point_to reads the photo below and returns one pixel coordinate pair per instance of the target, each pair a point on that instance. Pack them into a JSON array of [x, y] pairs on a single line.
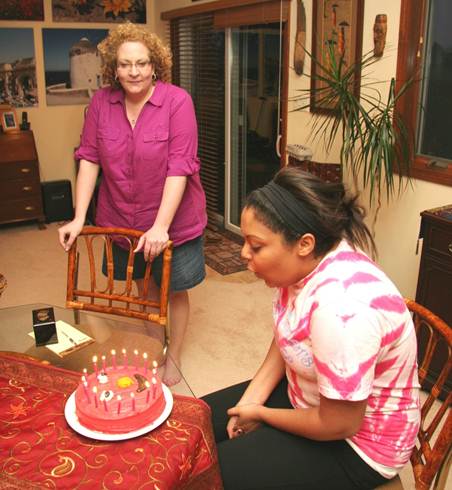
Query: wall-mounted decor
[[8, 119], [72, 64], [96, 11], [380, 30], [22, 10], [300, 39], [336, 38], [17, 68]]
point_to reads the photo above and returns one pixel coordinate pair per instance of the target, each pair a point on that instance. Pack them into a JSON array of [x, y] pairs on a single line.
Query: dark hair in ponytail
[[324, 209]]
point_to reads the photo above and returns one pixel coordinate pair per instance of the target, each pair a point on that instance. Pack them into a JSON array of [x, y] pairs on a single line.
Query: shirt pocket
[[155, 144], [109, 143]]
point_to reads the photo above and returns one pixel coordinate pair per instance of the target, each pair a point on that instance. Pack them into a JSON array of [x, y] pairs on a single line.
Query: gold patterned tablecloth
[[39, 450]]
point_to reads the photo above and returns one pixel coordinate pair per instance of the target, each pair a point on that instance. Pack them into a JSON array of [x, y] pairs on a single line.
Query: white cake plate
[[72, 420]]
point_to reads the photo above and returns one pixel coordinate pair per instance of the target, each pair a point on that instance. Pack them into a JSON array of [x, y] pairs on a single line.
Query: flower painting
[[99, 11], [21, 10]]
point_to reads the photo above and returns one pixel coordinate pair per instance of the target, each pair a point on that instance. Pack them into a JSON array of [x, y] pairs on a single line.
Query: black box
[[57, 200], [44, 326]]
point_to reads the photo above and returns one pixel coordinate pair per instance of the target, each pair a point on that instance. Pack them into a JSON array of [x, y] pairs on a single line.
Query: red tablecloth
[[39, 450]]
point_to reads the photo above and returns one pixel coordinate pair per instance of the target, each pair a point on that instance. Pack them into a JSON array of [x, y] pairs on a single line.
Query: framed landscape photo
[[337, 31], [8, 119]]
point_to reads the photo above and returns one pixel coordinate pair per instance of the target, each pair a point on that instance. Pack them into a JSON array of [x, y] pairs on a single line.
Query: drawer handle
[[26, 188], [25, 170], [29, 208], [450, 247]]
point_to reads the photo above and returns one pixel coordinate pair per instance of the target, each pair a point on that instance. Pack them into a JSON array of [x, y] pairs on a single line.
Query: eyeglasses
[[139, 65]]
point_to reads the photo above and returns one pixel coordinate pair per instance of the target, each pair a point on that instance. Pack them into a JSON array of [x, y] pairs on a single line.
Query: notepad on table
[[69, 339]]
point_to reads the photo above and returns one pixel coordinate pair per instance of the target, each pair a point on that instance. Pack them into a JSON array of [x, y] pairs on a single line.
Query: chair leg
[[443, 472]]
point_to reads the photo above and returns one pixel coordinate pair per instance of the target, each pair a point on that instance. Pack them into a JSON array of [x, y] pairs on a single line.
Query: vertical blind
[[198, 67]]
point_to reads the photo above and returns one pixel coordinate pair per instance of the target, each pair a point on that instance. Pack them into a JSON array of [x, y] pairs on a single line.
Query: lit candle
[[132, 395], [85, 389], [95, 365], [84, 380], [124, 356], [154, 387], [148, 393], [154, 367], [105, 405], [113, 356], [136, 359], [104, 364], [119, 404], [95, 396], [145, 363]]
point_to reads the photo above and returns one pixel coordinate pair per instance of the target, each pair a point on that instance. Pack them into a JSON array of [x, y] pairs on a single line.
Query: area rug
[[222, 252]]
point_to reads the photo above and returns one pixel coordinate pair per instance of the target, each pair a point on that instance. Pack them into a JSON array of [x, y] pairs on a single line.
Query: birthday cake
[[119, 399]]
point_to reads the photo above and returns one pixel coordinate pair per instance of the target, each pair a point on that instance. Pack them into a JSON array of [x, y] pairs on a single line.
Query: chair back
[[432, 454], [104, 294]]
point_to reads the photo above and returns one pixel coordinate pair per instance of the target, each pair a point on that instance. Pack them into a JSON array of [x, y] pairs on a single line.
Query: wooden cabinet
[[20, 186], [434, 287]]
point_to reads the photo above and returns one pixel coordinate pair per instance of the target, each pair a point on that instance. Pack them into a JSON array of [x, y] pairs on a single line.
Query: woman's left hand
[[248, 417], [152, 242]]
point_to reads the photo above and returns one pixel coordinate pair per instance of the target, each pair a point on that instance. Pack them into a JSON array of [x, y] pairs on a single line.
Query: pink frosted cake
[[119, 399]]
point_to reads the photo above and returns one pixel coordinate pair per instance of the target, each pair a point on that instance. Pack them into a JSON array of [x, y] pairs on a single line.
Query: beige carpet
[[230, 323]]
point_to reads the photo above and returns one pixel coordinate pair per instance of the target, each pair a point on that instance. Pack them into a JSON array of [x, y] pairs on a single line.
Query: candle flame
[[94, 389], [154, 381], [155, 364], [123, 351], [145, 356], [113, 352], [94, 358], [147, 384], [103, 358], [132, 395], [118, 398], [135, 352]]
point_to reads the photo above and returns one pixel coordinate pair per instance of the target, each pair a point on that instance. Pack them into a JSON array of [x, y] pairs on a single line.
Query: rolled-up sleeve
[[88, 149], [183, 139]]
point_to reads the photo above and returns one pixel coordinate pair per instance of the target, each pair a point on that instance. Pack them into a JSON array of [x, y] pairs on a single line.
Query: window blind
[[198, 67]]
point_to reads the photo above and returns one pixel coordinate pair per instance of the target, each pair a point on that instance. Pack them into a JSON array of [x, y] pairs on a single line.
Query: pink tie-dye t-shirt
[[345, 332]]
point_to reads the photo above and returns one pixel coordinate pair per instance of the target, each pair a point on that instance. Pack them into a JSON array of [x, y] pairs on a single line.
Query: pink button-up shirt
[[136, 162]]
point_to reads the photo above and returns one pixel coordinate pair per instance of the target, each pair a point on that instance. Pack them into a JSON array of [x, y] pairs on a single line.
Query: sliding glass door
[[253, 89]]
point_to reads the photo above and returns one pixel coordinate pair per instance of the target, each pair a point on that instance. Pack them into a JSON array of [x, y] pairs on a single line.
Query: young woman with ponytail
[[335, 403]]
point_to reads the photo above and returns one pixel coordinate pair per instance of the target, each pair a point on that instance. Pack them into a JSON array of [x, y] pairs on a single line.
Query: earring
[[116, 77], [154, 77]]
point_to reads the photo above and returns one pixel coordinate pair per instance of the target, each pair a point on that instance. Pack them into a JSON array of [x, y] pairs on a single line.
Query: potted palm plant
[[376, 145]]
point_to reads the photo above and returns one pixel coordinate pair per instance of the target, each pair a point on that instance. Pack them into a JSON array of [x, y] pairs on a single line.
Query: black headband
[[290, 210]]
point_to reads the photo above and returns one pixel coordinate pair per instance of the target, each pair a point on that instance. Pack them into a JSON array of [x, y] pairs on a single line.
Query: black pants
[[268, 458]]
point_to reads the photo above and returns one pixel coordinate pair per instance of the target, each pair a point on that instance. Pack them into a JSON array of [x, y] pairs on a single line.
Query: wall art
[[99, 11]]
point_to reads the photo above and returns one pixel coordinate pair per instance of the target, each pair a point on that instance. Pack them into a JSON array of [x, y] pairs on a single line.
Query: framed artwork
[[20, 10], [95, 11], [8, 119], [18, 84], [337, 31], [72, 64]]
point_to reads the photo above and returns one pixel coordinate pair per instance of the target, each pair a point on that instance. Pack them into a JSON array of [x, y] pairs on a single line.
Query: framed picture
[[8, 119], [337, 31]]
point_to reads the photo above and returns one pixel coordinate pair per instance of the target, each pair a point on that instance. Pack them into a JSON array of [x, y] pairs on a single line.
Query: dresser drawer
[[19, 170], [439, 241], [19, 189], [21, 209]]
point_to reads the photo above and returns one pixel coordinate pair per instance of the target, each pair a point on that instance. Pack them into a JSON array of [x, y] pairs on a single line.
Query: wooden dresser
[[20, 186], [434, 287]]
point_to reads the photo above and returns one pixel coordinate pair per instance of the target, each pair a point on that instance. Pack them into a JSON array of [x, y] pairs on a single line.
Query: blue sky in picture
[[16, 44], [58, 42]]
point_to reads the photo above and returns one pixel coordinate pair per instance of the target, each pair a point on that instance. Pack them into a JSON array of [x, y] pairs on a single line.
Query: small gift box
[[44, 326]]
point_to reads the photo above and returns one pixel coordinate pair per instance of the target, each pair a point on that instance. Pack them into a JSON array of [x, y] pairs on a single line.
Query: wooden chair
[[115, 297], [432, 455]]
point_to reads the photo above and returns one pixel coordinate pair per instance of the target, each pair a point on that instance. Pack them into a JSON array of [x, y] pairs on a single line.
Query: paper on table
[[69, 339]]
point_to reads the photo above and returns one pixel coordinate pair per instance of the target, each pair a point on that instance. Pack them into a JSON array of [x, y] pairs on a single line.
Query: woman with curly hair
[[142, 131]]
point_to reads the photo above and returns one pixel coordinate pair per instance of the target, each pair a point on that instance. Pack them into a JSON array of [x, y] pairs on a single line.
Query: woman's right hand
[[69, 232]]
